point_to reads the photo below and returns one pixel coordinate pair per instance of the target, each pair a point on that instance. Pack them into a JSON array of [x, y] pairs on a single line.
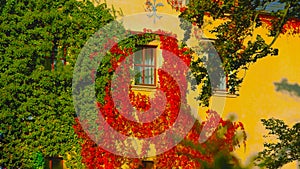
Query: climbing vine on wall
[[189, 153], [236, 39]]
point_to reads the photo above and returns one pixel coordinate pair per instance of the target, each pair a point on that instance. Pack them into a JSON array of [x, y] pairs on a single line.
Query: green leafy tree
[[36, 110], [238, 45], [236, 41], [285, 150], [287, 147]]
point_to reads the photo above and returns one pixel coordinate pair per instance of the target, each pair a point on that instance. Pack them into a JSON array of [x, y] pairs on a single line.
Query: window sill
[[144, 88], [223, 93]]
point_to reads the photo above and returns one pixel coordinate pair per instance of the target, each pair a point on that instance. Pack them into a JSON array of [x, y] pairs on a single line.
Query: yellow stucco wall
[[258, 98]]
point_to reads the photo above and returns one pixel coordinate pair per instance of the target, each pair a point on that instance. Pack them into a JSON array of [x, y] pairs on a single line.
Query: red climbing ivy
[[189, 153]]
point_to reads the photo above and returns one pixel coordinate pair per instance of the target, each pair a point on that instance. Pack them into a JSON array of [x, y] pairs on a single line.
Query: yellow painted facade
[[258, 98]]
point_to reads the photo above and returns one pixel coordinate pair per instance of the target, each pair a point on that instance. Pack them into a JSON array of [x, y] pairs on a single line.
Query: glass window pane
[[222, 85], [57, 163], [144, 68], [53, 163], [48, 63], [149, 75], [148, 164], [47, 163], [149, 56], [138, 57], [138, 74]]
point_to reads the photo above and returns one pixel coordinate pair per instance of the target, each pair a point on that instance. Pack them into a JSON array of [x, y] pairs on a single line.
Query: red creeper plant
[[125, 115]]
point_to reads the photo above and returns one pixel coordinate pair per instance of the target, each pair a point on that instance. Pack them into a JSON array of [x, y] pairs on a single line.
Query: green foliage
[[285, 150], [236, 42], [36, 106], [223, 160], [38, 161]]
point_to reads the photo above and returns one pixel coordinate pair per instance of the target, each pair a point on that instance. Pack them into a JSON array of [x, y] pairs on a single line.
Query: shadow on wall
[[285, 86]]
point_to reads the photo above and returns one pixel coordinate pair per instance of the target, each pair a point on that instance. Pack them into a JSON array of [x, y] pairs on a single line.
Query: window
[[52, 62], [145, 66], [54, 163], [148, 164], [220, 79]]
